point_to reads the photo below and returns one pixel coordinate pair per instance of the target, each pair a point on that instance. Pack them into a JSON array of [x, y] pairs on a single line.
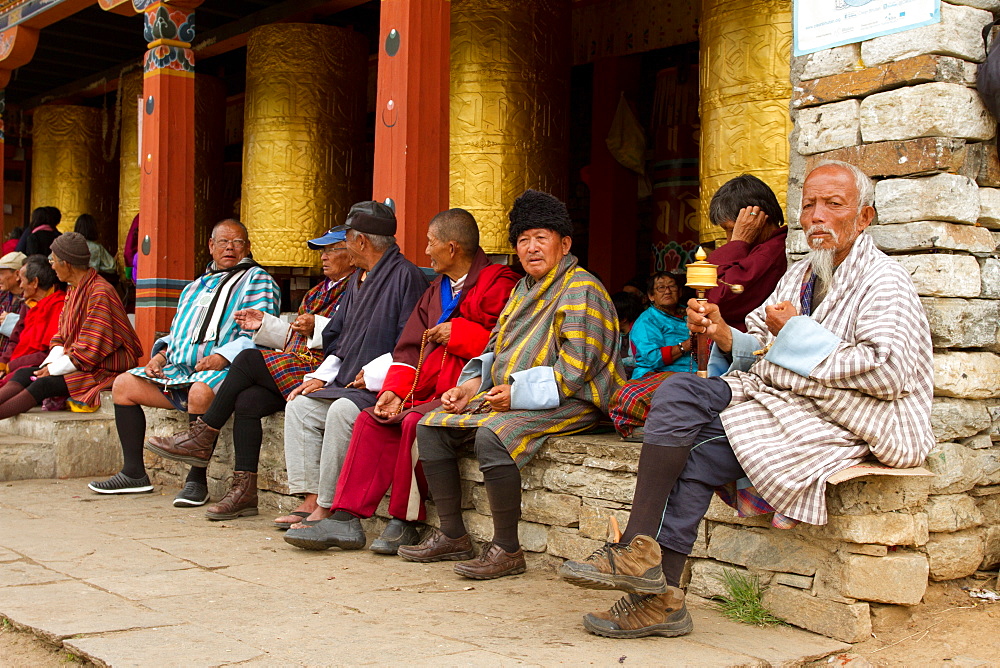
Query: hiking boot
[[641, 615], [192, 446], [492, 562], [633, 567], [397, 532], [191, 495], [438, 547], [239, 501], [120, 483]]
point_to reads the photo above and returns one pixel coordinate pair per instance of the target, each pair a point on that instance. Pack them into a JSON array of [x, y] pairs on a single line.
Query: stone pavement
[[133, 581]]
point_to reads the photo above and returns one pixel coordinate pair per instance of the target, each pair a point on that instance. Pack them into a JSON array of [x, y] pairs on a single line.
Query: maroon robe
[[757, 268]]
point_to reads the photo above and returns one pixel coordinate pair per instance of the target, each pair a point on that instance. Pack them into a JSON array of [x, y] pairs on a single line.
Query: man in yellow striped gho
[[551, 366]]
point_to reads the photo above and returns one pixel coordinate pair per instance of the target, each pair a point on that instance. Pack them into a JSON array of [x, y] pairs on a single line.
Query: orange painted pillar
[[411, 116], [166, 207], [3, 166]]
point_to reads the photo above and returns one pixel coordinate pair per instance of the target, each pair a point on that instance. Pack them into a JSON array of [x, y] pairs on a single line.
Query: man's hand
[[703, 317], [304, 324], [359, 381], [457, 398], [42, 373], [307, 387], [499, 398], [3, 316], [440, 333], [388, 404], [776, 315], [249, 319], [214, 362], [154, 369], [749, 223]]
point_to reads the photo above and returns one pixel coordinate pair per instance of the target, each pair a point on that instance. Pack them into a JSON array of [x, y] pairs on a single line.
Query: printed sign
[[822, 24]]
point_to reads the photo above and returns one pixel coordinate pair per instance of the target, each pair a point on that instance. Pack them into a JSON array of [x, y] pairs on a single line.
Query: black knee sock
[[445, 487], [503, 488], [673, 565], [197, 473], [248, 434], [659, 468], [131, 424], [21, 402]]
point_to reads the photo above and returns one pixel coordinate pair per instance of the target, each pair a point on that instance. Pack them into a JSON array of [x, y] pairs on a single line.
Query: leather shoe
[[438, 547], [492, 562], [397, 532], [192, 446], [345, 534]]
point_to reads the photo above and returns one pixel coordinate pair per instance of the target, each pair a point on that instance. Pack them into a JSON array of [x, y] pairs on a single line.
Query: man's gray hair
[[379, 242], [234, 223], [866, 189]]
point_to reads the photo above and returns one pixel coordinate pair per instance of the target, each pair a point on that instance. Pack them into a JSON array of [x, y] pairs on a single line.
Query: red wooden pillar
[[166, 207], [411, 120], [613, 188]]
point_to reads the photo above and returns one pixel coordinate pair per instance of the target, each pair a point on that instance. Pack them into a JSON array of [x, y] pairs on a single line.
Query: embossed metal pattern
[[303, 133], [68, 168], [746, 48], [509, 103], [129, 174]]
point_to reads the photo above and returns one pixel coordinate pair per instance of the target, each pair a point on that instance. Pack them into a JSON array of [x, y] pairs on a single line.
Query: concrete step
[[68, 445], [25, 458]]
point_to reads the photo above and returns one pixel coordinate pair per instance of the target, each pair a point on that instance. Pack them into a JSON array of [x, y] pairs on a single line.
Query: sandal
[[288, 525]]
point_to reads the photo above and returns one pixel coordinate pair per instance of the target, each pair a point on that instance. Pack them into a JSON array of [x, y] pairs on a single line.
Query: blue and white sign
[[822, 24]]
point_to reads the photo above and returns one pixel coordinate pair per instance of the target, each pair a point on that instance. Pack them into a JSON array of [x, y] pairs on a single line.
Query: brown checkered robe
[[871, 394]]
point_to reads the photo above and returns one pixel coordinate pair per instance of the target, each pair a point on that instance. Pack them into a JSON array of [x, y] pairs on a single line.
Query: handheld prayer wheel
[[702, 275]]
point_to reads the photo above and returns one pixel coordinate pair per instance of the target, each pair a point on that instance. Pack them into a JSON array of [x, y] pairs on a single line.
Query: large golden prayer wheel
[[746, 48], [129, 186], [510, 65], [303, 132], [68, 168]]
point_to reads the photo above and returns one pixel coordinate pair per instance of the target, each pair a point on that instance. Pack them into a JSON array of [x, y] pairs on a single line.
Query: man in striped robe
[[190, 362], [550, 367], [834, 367]]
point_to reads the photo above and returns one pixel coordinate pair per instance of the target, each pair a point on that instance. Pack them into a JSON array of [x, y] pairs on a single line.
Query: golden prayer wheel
[[209, 148], [746, 48], [303, 132], [68, 169], [129, 187], [510, 66]]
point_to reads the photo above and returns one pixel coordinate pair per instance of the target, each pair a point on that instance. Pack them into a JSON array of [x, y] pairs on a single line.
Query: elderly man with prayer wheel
[[94, 344], [550, 367], [834, 367]]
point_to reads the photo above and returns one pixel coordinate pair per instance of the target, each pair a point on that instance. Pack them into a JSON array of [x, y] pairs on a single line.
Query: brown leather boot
[[492, 562], [641, 615], [632, 567], [239, 501], [193, 446]]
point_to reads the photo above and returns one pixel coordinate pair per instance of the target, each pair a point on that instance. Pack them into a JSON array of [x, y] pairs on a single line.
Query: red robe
[[41, 323], [757, 268], [97, 336]]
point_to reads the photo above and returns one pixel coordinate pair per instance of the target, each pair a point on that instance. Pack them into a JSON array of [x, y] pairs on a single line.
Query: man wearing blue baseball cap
[[260, 381]]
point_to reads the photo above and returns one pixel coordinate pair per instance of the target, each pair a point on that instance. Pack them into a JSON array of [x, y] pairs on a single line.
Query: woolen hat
[[332, 236], [12, 260], [72, 247], [535, 210], [372, 218]]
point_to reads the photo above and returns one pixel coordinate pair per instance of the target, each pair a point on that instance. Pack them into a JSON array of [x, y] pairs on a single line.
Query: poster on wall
[[823, 24]]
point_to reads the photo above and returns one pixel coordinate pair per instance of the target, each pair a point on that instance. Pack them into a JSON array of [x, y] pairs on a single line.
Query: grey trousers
[[439, 443], [317, 434]]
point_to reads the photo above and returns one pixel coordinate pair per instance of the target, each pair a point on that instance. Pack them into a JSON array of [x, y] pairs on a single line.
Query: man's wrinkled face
[[336, 259], [440, 252], [830, 214], [228, 245], [8, 279], [540, 250], [28, 288]]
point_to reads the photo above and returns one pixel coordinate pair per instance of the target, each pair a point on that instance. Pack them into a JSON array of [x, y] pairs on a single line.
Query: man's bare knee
[[200, 397], [123, 390]]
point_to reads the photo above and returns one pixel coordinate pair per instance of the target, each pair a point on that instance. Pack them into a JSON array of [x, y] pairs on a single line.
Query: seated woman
[[44, 299], [753, 256], [94, 344], [660, 337]]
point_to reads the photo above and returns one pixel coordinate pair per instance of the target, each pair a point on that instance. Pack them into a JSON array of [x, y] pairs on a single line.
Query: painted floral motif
[[169, 58], [168, 23]]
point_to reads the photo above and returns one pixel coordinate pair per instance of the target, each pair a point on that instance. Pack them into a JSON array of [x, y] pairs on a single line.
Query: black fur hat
[[537, 210]]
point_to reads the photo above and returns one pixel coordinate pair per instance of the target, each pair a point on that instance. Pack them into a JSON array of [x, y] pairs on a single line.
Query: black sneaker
[[120, 483], [193, 494]]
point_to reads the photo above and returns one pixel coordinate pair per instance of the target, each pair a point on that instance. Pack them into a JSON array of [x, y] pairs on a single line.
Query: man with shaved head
[[835, 366]]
